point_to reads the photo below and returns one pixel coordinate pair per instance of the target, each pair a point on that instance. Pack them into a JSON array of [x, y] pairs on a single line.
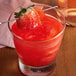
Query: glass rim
[[41, 40]]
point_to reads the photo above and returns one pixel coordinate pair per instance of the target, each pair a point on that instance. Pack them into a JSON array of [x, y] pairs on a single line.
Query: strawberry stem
[[22, 11]]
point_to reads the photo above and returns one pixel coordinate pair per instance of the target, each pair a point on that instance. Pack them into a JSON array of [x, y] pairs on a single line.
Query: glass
[[68, 7], [38, 58]]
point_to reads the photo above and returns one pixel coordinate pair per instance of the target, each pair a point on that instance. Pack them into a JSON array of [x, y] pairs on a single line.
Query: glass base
[[36, 71]]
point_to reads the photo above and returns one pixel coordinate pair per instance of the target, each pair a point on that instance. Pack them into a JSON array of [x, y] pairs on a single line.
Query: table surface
[[66, 58]]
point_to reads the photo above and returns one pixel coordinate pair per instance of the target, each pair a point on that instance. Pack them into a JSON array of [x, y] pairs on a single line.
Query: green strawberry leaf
[[22, 11]]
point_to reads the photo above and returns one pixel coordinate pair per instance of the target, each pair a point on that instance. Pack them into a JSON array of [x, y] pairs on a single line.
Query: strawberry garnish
[[29, 18], [40, 11]]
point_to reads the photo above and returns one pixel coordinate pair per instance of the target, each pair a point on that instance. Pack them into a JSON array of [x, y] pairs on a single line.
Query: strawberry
[[40, 11], [29, 18]]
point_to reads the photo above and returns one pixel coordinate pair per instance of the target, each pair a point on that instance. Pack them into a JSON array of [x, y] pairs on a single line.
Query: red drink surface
[[36, 48]]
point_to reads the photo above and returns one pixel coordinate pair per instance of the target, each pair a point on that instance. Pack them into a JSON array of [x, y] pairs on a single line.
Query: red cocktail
[[37, 42]]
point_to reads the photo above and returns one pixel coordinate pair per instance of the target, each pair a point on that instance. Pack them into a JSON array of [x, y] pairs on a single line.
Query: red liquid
[[37, 49]]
